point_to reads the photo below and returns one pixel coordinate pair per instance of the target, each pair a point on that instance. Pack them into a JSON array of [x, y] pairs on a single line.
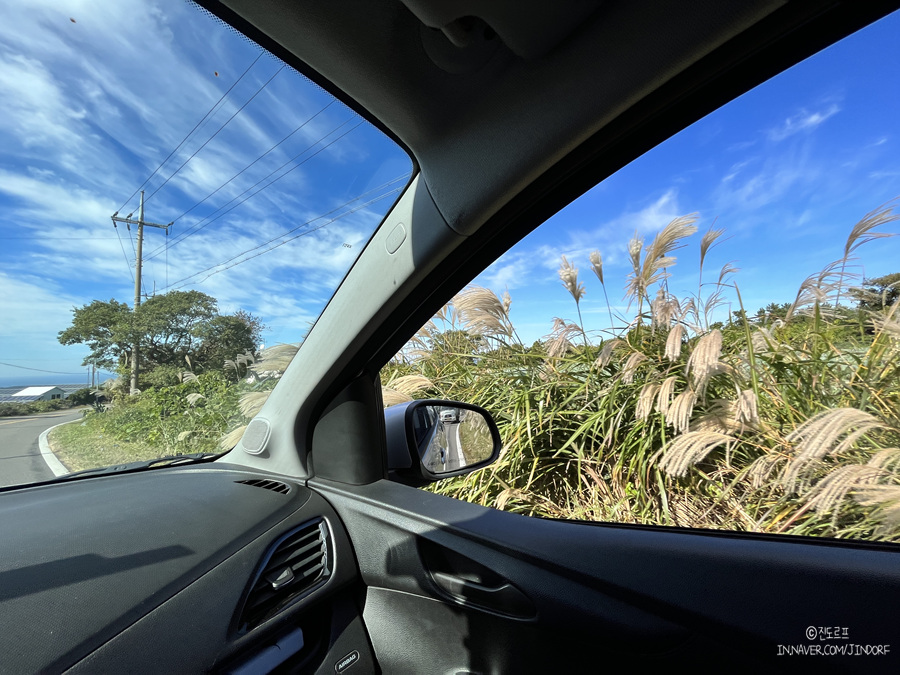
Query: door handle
[[503, 598]]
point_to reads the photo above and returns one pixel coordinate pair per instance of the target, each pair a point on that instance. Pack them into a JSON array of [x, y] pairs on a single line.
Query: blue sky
[[787, 170], [95, 96], [92, 107]]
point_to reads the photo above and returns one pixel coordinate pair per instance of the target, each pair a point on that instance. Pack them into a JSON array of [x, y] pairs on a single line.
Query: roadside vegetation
[[786, 420], [782, 421]]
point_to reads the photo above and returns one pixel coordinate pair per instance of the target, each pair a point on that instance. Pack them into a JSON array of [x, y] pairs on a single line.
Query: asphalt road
[[444, 436], [20, 456], [453, 454]]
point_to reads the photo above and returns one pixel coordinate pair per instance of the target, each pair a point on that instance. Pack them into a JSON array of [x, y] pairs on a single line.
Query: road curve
[[20, 454]]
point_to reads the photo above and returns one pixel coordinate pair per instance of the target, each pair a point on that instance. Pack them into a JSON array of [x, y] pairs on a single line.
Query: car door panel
[[603, 594]]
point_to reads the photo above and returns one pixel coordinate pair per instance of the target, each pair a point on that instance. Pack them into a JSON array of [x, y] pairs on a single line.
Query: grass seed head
[[678, 416], [688, 449], [674, 342], [569, 275], [597, 264]]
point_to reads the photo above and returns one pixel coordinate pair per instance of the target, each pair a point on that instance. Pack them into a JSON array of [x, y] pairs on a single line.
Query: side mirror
[[429, 440]]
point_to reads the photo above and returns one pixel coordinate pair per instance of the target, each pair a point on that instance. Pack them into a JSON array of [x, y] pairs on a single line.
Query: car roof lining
[[472, 133]]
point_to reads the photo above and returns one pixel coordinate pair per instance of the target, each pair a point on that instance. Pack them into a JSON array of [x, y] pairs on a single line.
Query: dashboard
[[209, 568]]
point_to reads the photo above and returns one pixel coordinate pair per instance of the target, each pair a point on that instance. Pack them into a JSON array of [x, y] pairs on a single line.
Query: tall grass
[[789, 425]]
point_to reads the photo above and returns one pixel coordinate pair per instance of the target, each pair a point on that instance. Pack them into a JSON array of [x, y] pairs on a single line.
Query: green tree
[[878, 293], [105, 327], [173, 330]]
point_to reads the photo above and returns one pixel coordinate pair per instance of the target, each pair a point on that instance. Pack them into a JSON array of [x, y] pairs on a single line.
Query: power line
[[193, 230], [125, 255], [301, 234], [209, 219], [306, 232], [39, 370], [184, 140], [253, 162], [266, 84]]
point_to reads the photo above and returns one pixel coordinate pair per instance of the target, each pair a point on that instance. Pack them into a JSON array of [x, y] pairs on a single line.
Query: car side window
[[710, 337]]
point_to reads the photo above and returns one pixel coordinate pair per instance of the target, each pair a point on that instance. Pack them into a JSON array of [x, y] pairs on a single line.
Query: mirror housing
[[431, 439]]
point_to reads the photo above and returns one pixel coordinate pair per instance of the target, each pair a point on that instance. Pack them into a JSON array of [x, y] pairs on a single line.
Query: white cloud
[[90, 108], [802, 121], [538, 264]]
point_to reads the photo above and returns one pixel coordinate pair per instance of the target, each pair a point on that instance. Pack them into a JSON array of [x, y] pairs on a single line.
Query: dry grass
[[771, 424]]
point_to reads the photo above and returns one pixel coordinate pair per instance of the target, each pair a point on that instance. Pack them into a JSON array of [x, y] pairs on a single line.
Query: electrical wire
[[196, 126], [258, 91], [239, 173], [209, 219], [125, 255], [39, 370], [185, 281], [194, 229]]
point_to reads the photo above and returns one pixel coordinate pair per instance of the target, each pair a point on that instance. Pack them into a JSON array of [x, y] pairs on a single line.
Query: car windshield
[[177, 206]]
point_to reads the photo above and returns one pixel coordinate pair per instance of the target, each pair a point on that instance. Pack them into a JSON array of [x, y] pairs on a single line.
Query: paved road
[[20, 456], [453, 454], [444, 436]]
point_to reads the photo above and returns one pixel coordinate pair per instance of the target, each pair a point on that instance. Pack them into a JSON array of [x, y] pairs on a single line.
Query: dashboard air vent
[[274, 485], [295, 565]]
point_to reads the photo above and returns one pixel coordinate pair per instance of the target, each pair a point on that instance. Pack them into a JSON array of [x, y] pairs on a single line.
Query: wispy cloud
[[538, 264], [802, 121], [91, 107]]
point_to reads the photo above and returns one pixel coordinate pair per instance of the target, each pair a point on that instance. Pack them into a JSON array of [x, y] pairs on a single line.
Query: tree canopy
[[878, 293], [178, 329]]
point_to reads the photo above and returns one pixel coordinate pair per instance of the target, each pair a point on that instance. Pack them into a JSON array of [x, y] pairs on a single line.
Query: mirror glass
[[451, 438]]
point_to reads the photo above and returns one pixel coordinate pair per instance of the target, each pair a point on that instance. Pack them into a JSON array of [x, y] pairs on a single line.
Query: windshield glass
[[177, 206]]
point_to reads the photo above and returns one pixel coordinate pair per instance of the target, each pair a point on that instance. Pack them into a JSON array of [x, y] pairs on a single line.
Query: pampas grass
[[772, 423]]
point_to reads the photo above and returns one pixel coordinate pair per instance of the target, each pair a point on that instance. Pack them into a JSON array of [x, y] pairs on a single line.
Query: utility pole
[[137, 275]]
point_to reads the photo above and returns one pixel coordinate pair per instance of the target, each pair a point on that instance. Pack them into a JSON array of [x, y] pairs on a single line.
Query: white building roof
[[35, 391]]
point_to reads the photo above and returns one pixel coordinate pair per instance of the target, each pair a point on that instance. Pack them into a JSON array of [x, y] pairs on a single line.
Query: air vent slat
[[266, 484], [302, 554], [288, 556]]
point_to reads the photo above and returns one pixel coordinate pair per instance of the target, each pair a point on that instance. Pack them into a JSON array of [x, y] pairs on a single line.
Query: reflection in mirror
[[451, 438]]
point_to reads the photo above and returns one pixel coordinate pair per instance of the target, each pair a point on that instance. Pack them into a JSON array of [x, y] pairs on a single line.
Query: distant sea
[[44, 379]]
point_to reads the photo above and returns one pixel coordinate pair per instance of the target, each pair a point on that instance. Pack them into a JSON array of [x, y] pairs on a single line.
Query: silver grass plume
[[631, 366], [645, 400], [678, 416], [568, 273], [663, 309], [481, 312], [821, 435], [657, 256], [762, 468], [704, 360], [862, 231], [252, 402], [886, 499], [606, 352], [194, 398], [275, 359], [597, 265], [708, 241], [559, 340], [674, 342], [834, 487], [889, 458], [664, 395], [688, 449], [398, 390], [229, 440]]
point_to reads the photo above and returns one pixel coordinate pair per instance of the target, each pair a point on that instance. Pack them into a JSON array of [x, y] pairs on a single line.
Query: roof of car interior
[[488, 95]]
